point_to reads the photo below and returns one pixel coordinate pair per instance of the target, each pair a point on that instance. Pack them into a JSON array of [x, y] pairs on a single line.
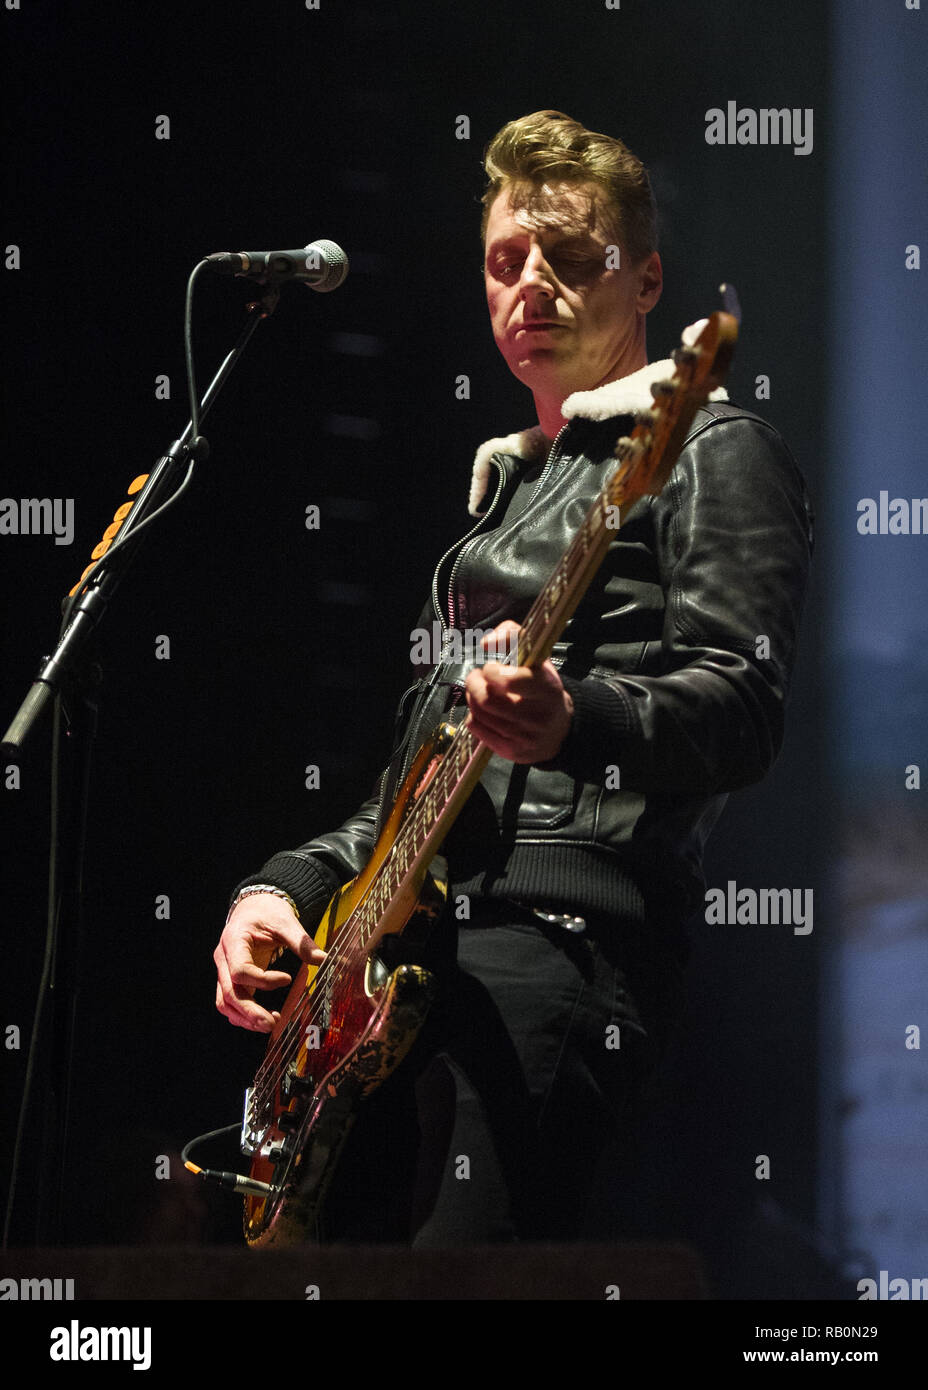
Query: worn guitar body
[[345, 1026]]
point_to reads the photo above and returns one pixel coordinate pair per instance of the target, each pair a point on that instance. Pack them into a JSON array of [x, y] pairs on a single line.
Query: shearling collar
[[622, 397]]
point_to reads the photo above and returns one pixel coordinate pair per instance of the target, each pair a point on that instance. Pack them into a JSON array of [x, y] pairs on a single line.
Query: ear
[[650, 274]]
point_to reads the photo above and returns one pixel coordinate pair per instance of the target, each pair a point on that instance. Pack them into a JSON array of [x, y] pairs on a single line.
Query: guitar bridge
[[252, 1130]]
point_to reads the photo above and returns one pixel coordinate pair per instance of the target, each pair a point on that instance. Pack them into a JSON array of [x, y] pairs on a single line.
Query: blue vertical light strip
[[874, 1120]]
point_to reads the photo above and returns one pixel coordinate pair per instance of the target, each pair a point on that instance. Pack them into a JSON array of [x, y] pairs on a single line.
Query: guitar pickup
[[294, 1085]]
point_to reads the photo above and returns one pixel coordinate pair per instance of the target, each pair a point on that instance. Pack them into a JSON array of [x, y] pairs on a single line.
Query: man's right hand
[[258, 929]]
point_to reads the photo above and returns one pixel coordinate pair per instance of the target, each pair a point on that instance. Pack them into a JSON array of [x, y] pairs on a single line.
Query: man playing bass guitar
[[577, 858]]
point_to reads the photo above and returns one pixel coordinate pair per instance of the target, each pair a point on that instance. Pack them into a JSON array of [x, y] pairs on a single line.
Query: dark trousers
[[539, 1046]]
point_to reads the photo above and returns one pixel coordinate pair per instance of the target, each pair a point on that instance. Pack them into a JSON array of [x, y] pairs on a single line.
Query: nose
[[537, 277]]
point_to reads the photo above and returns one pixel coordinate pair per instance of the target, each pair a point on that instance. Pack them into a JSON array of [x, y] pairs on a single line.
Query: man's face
[[562, 318]]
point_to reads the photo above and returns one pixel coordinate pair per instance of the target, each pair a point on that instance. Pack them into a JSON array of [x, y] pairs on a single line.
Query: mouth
[[541, 326]]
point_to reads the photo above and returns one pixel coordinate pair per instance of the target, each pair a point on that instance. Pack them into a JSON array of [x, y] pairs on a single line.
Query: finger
[[503, 638], [539, 684], [501, 632], [492, 682], [244, 944], [309, 952], [245, 974], [300, 943], [514, 685], [514, 751], [500, 712], [240, 977], [239, 1009], [285, 930], [251, 1015]]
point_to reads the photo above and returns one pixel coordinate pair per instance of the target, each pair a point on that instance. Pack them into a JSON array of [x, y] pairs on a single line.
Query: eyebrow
[[560, 236]]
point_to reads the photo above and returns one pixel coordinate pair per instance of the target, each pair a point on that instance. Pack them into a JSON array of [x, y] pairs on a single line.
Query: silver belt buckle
[[563, 920]]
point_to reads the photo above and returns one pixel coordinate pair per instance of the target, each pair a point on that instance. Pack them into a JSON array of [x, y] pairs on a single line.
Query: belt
[[491, 912]]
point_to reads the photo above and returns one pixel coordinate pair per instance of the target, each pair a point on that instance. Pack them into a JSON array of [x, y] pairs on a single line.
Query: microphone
[[321, 265]]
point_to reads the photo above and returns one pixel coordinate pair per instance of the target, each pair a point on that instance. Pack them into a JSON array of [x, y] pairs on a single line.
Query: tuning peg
[[662, 389], [685, 356], [626, 447]]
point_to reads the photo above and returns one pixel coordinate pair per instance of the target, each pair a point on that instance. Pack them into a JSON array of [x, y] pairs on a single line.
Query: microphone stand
[[70, 678]]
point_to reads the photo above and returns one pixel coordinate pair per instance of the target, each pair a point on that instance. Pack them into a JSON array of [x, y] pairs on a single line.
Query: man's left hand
[[523, 715]]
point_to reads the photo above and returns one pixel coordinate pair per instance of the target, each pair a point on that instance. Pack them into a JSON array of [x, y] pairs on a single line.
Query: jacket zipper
[[547, 468], [465, 541], [462, 542]]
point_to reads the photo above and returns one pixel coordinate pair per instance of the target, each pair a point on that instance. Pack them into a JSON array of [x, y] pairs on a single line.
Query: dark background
[[288, 645]]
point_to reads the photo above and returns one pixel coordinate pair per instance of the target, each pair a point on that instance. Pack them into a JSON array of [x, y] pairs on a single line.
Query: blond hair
[[549, 147]]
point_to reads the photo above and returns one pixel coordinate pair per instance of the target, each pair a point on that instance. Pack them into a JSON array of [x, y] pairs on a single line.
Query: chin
[[542, 377], [539, 365]]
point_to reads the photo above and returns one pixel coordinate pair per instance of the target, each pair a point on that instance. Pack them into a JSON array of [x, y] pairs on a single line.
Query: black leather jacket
[[678, 661]]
